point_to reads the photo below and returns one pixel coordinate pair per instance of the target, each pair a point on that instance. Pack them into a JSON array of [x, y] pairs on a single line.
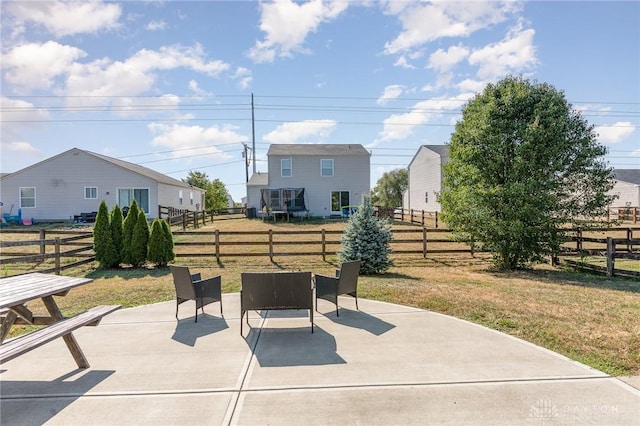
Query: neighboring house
[[425, 178], [76, 181], [627, 188], [314, 178]]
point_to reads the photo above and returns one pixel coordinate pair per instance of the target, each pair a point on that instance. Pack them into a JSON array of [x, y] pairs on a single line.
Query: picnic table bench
[[16, 291]]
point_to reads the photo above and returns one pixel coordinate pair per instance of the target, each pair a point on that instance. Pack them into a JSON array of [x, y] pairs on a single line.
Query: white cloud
[[137, 74], [156, 25], [615, 132], [64, 18], [195, 88], [425, 22], [34, 66], [189, 140], [18, 115], [400, 126], [390, 92], [20, 147], [244, 77], [403, 63], [287, 24], [514, 54], [469, 85], [293, 132], [444, 60]]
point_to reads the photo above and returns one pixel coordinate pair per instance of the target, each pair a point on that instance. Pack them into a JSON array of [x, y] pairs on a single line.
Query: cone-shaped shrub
[[140, 240], [127, 233], [116, 233], [367, 237], [102, 242], [157, 244], [168, 240]]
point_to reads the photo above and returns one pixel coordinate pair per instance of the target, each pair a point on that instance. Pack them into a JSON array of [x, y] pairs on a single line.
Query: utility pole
[[253, 132], [246, 162]]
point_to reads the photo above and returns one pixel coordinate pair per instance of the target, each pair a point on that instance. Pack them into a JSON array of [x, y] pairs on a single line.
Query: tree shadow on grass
[[566, 277], [129, 273]]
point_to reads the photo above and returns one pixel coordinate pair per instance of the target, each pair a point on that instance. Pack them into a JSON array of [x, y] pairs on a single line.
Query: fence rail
[[278, 243]]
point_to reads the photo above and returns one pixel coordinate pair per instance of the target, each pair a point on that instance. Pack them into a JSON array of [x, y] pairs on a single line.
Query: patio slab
[[385, 364]]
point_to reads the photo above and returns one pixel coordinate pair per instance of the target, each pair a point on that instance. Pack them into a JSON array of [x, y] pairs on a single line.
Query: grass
[[591, 319]]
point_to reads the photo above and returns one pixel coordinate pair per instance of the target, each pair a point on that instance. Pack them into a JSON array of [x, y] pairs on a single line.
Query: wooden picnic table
[[16, 291]]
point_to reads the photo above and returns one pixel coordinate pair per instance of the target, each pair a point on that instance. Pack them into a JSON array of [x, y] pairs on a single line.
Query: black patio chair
[[345, 282], [193, 287]]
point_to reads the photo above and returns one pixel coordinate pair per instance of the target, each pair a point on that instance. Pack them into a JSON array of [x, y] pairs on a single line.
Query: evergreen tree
[[367, 238], [102, 242], [116, 234], [158, 252], [127, 232], [168, 238], [140, 240]]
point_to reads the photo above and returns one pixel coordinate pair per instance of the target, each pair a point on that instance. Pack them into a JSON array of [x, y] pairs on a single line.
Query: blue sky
[[168, 84]]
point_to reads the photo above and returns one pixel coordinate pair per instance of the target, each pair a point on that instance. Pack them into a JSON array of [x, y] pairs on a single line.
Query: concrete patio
[[383, 365]]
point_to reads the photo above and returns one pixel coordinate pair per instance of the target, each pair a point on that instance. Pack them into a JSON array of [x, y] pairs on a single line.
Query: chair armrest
[[326, 283], [211, 287]]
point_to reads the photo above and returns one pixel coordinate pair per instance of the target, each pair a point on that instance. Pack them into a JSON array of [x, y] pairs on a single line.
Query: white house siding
[[60, 183], [351, 173], [257, 182], [628, 194], [169, 196], [425, 178]]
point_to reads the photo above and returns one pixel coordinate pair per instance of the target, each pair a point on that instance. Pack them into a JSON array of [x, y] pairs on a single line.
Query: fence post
[[579, 240], [436, 219], [217, 234], [422, 217], [411, 217], [324, 245], [184, 221], [57, 256], [195, 220], [611, 252], [271, 245], [629, 238], [42, 238], [424, 242], [159, 211]]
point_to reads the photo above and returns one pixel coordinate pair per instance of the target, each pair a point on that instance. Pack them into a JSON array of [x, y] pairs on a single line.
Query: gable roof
[[258, 179], [144, 171], [441, 150], [627, 175], [317, 149]]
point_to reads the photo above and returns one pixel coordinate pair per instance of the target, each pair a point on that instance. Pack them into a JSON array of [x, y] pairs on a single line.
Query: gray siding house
[[330, 176], [425, 178], [627, 188], [76, 181]]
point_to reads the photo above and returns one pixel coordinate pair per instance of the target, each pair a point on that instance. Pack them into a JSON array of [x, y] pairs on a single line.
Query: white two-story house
[[425, 178], [318, 179]]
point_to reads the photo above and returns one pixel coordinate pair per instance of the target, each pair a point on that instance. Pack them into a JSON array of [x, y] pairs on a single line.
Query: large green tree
[[216, 196], [523, 164], [390, 187]]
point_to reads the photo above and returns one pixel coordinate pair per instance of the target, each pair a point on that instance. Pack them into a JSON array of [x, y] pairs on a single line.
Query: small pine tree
[[140, 240], [168, 239], [127, 232], [367, 237], [157, 244], [102, 241], [116, 234]]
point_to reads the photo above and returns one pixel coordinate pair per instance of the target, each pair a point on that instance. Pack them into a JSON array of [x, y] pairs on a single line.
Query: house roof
[[152, 174], [259, 179], [317, 149], [441, 150], [627, 175]]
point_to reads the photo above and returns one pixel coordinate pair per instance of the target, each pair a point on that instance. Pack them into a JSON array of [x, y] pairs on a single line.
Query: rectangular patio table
[[16, 291]]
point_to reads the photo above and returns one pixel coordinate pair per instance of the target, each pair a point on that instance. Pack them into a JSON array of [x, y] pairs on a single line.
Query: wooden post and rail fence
[[76, 247]]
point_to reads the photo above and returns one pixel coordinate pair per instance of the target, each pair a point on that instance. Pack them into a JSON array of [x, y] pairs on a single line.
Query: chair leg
[[177, 304], [356, 296]]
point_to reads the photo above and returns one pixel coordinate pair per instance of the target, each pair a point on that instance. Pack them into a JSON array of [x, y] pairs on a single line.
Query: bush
[[102, 242], [140, 240], [367, 238], [127, 233], [116, 233], [168, 237], [159, 250]]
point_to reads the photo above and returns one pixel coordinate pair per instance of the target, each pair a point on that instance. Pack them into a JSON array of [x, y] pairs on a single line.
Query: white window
[[326, 167], [90, 192], [141, 195], [27, 197], [285, 167], [191, 198], [180, 197]]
